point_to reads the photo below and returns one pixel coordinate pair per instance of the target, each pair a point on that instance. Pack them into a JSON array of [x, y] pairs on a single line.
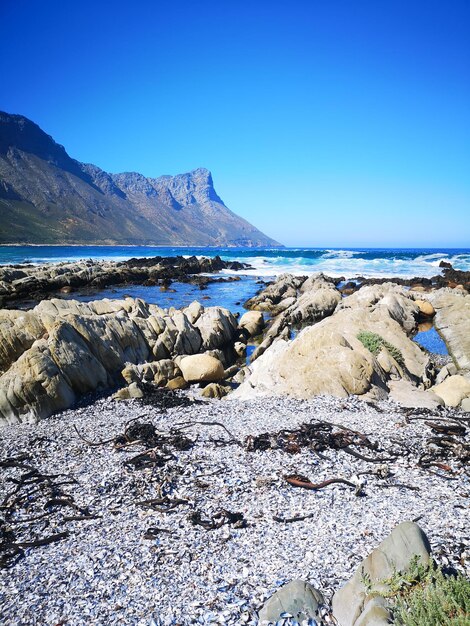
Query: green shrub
[[374, 343], [434, 600], [424, 596]]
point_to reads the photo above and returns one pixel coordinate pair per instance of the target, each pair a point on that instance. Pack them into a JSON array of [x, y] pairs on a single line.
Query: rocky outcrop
[[63, 349], [38, 281], [297, 301], [359, 349], [359, 602], [453, 323]]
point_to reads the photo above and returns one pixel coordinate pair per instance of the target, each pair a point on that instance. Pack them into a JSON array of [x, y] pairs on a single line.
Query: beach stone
[[318, 299], [395, 554], [252, 322], [297, 598], [201, 368], [328, 358], [177, 383], [407, 395], [130, 392], [217, 327], [453, 390], [215, 390], [426, 309]]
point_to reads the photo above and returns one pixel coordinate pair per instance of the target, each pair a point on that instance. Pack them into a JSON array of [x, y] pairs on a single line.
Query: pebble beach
[[133, 564]]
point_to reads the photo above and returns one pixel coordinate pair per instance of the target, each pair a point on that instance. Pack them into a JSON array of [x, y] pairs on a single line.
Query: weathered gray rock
[[201, 368], [269, 299], [447, 370], [407, 395], [297, 598], [328, 358], [61, 349], [318, 298], [351, 603], [394, 299], [453, 390], [129, 393], [453, 323], [217, 327]]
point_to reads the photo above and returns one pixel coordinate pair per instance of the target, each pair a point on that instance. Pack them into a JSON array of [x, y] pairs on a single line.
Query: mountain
[[46, 197]]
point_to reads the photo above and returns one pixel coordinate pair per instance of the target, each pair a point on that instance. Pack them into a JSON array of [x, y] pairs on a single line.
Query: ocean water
[[268, 262]]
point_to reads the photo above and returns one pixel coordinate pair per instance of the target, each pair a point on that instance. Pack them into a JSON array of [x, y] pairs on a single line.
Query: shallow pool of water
[[430, 339]]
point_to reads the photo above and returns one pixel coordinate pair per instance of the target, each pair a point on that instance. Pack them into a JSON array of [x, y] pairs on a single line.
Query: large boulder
[[453, 390], [201, 368], [318, 298], [355, 604]]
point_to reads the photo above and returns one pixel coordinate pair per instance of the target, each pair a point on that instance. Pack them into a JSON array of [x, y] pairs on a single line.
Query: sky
[[323, 122]]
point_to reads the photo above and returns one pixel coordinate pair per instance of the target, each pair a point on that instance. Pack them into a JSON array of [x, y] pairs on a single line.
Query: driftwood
[[297, 480]]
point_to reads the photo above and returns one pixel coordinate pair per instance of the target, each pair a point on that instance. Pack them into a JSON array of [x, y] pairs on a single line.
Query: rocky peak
[[18, 133]]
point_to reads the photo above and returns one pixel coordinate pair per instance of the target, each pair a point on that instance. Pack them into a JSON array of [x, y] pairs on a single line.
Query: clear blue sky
[[324, 122]]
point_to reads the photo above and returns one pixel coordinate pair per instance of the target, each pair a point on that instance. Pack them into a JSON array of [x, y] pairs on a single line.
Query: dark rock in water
[[50, 198], [446, 265], [37, 282]]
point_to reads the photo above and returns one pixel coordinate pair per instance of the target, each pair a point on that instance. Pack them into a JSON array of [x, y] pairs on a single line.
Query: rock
[[465, 405], [130, 392], [177, 383], [201, 368], [252, 322], [240, 349], [217, 327], [329, 358], [61, 349], [297, 598], [394, 299], [452, 320], [426, 309], [318, 299], [215, 390], [395, 554], [269, 298], [407, 395], [453, 390], [230, 371], [445, 371]]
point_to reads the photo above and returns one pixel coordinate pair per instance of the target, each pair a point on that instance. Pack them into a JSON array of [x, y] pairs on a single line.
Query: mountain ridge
[[47, 197]]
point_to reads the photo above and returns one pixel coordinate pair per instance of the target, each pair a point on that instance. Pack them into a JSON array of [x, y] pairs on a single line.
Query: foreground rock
[[298, 599], [60, 350], [357, 604], [35, 282]]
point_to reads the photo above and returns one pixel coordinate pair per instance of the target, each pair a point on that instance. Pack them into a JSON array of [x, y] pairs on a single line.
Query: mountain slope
[[48, 197]]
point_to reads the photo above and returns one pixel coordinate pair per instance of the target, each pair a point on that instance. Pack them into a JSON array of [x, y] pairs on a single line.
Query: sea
[[266, 264]]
